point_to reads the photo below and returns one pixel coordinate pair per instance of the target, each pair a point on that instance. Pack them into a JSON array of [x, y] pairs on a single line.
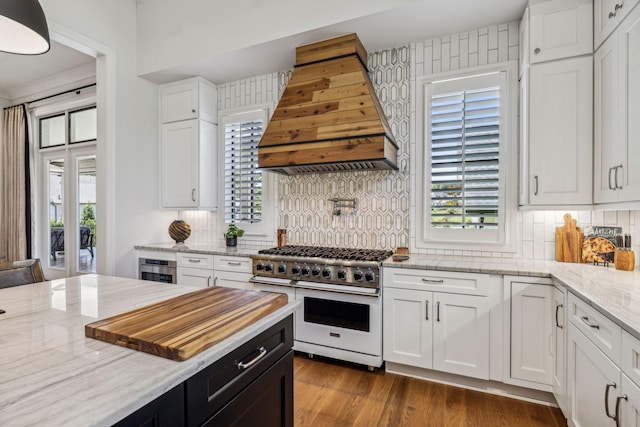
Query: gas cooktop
[[350, 254]]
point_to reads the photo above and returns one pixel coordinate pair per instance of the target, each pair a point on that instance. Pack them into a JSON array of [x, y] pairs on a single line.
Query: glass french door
[[68, 212]]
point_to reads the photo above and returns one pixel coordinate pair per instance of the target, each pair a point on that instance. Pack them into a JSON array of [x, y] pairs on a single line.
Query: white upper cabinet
[[193, 98], [560, 29], [560, 139], [188, 145], [617, 108], [188, 164], [556, 104], [607, 15]]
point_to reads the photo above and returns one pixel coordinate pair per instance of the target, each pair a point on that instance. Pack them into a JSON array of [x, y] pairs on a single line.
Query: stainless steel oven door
[[340, 320]]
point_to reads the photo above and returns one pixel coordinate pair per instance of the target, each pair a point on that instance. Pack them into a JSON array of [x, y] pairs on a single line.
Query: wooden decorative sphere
[[179, 231]]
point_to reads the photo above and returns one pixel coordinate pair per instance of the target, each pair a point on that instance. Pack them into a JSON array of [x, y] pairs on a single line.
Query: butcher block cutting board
[[569, 240], [183, 326]]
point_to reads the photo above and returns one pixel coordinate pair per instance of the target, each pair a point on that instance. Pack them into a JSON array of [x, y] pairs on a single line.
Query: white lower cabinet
[[195, 270], [593, 383], [629, 409], [559, 347], [530, 333], [232, 271], [448, 332]]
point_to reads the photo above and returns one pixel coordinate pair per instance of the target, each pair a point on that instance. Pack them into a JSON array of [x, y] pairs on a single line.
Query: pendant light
[[23, 27]]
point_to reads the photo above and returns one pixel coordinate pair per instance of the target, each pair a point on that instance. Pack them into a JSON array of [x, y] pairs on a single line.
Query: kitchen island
[[51, 374]]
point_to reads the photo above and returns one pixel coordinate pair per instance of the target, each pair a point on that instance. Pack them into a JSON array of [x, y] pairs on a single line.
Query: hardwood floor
[[333, 394]]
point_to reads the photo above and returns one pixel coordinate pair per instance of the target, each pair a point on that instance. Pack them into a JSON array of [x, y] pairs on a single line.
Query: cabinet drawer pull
[[194, 260], [438, 311], [193, 194], [585, 319], [426, 305], [606, 400], [535, 192], [250, 363], [558, 307], [234, 263], [432, 280]]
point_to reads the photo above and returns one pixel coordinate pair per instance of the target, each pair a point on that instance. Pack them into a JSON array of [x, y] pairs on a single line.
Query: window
[[464, 190], [68, 127], [242, 178]]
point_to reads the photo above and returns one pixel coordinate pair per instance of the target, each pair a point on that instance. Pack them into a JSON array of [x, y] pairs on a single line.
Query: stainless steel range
[[341, 314]]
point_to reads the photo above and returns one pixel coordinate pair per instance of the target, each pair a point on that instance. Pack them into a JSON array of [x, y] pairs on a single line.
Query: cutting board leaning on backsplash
[[569, 240]]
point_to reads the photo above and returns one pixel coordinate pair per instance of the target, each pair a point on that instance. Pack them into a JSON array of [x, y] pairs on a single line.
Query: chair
[[20, 273], [57, 240]]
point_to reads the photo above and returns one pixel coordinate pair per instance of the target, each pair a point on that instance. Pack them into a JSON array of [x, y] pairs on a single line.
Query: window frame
[[263, 230], [426, 237]]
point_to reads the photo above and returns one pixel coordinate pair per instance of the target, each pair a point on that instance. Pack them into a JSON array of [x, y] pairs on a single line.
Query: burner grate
[[330, 253]]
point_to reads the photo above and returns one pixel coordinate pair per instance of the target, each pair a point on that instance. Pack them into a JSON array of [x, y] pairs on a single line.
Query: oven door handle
[[271, 281], [340, 289]]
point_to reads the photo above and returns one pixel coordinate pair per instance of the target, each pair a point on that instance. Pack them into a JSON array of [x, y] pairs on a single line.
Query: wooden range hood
[[329, 118]]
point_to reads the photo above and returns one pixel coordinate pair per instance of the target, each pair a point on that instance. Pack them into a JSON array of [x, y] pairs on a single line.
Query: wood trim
[[327, 49]]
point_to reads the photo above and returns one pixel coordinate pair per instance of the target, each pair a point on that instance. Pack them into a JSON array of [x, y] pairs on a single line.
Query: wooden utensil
[[181, 327]]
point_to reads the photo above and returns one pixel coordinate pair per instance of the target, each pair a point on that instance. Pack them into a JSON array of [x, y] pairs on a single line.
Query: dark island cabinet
[[253, 383], [165, 411]]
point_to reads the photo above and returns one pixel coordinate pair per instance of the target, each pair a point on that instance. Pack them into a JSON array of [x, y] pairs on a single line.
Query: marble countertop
[[205, 248], [614, 293], [51, 374]]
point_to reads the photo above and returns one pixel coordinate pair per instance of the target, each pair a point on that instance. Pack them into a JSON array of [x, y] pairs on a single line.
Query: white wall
[[130, 171], [215, 28]]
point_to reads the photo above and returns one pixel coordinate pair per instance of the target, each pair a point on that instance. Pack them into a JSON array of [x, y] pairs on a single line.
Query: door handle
[[208, 281], [558, 307], [616, 177], [617, 414], [193, 194], [610, 186], [606, 400], [438, 311], [535, 192], [426, 305]]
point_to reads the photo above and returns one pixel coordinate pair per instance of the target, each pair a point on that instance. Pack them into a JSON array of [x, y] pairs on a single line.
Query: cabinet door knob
[[193, 110], [536, 50]]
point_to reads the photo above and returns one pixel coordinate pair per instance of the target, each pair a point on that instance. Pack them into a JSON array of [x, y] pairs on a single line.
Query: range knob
[[358, 275], [295, 269], [305, 270], [268, 267], [315, 272], [326, 273], [260, 266], [342, 274], [369, 276], [282, 268]]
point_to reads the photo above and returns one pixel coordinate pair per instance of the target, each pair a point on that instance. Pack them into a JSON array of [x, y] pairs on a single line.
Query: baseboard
[[486, 386]]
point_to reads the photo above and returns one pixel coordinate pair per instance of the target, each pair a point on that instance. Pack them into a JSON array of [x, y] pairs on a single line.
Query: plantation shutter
[[465, 154], [242, 178]]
